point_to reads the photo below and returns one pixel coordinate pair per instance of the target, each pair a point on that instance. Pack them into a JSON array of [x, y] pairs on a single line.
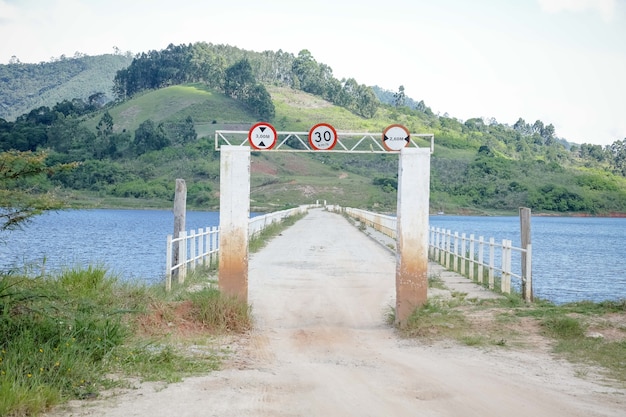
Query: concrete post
[[234, 220], [180, 211], [412, 231]]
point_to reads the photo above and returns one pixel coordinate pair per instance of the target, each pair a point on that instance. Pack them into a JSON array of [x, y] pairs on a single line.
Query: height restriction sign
[[322, 137], [396, 137], [262, 136]]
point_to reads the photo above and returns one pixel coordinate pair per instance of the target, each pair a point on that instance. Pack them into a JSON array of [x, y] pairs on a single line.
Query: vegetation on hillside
[[24, 87], [169, 104]]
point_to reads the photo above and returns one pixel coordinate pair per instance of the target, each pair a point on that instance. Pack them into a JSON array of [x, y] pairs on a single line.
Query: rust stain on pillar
[[411, 279], [233, 266], [234, 220], [412, 231]]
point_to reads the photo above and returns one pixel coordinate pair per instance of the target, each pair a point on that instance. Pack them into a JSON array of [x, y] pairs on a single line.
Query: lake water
[[573, 258], [131, 243]]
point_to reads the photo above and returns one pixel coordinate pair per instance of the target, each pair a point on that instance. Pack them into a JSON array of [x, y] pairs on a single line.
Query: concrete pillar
[[234, 220], [412, 232]]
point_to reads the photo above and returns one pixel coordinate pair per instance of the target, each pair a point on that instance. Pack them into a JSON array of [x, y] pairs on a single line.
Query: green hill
[[467, 176], [278, 179], [132, 150], [24, 87]]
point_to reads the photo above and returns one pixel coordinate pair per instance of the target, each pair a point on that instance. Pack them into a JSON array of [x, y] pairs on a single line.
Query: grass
[[585, 333], [72, 335], [435, 319], [175, 103], [577, 330]]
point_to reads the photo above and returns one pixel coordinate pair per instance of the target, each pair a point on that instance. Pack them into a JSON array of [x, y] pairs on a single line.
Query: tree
[[102, 144], [618, 156], [306, 73], [590, 151], [347, 95], [239, 80], [97, 100], [547, 133], [521, 126], [105, 125], [399, 98], [188, 131], [149, 137], [19, 197], [367, 103], [260, 101]]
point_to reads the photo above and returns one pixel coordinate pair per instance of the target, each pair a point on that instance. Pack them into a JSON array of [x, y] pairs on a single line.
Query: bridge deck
[[320, 348], [326, 250]]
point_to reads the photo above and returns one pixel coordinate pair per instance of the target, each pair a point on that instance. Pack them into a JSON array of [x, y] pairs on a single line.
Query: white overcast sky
[[559, 61]]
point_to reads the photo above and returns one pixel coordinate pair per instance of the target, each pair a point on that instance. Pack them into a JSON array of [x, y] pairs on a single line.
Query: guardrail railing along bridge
[[480, 260], [201, 246]]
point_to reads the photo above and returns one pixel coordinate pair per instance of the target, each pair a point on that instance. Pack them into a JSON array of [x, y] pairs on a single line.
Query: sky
[[559, 61]]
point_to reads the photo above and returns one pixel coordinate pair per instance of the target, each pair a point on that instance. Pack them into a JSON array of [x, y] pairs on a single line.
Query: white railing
[[257, 224], [379, 222], [201, 247], [479, 260], [194, 248]]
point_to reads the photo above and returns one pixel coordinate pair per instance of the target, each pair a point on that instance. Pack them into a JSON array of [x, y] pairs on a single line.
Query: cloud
[[606, 8]]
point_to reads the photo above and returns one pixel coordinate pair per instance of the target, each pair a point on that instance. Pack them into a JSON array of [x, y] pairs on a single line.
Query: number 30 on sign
[[322, 137]]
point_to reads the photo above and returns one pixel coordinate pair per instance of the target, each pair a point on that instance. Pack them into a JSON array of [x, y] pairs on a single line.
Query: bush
[[220, 312]]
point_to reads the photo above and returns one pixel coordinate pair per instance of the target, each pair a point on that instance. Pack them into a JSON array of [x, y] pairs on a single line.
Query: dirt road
[[321, 347]]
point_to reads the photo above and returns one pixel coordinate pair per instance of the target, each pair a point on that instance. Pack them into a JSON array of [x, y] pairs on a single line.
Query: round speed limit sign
[[322, 137]]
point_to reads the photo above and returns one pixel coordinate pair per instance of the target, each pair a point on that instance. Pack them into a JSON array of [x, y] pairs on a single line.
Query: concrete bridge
[[320, 346], [327, 248]]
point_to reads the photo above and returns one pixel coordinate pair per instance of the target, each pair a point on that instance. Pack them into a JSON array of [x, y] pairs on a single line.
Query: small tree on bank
[[21, 194]]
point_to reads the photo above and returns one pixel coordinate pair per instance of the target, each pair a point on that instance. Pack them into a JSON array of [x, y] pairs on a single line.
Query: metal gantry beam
[[347, 142]]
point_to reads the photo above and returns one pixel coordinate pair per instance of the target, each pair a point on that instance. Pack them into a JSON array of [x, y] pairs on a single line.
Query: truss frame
[[347, 142]]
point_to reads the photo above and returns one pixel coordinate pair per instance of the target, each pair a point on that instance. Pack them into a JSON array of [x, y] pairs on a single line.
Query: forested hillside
[[167, 105], [24, 87]]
